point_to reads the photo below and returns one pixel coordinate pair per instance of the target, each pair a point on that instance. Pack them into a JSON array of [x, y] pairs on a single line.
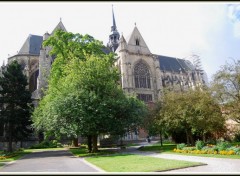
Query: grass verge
[[83, 152], [43, 149], [137, 163], [158, 148]]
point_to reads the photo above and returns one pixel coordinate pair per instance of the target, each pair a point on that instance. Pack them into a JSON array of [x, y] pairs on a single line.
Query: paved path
[[64, 161], [49, 161], [214, 165]]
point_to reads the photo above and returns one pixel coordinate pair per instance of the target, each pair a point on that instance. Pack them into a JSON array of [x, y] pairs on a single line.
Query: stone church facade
[[143, 73]]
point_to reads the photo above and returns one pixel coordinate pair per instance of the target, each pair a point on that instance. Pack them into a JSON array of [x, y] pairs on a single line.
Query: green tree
[[83, 95], [194, 111], [154, 122], [226, 86], [16, 100]]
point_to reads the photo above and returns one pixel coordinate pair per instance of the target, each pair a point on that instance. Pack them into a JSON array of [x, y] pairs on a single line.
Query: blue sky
[[210, 30]]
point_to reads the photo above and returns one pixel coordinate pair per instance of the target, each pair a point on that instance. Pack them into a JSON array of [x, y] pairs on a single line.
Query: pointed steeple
[[114, 27], [114, 36], [59, 26]]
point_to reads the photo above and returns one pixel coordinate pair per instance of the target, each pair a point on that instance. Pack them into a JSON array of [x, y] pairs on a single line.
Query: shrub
[[21, 149], [199, 144], [47, 144], [181, 146], [211, 142], [235, 149], [188, 148], [237, 137], [223, 145]]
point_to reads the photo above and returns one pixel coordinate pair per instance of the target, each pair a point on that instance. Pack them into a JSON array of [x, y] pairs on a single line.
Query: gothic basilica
[[143, 73]]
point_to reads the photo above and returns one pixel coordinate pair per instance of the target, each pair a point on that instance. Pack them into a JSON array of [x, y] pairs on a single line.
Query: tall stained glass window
[[142, 76]]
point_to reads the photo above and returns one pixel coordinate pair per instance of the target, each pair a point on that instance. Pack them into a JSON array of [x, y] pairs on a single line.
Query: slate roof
[[172, 64], [32, 45], [106, 50]]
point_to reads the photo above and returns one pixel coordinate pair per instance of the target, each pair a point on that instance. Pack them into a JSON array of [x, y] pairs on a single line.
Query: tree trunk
[[204, 137], [40, 137], [21, 144], [191, 138], [121, 141], [89, 137], [187, 135], [161, 139], [10, 149], [75, 142], [95, 147]]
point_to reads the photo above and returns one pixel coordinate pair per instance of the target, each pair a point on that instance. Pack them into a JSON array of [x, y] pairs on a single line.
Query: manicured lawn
[[158, 148], [131, 144], [137, 163], [43, 149], [83, 152]]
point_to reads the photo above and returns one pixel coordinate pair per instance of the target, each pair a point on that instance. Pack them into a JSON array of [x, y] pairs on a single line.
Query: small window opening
[[137, 42]]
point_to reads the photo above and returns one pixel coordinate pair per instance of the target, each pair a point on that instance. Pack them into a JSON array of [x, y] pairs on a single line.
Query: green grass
[[43, 149], [137, 163], [131, 144], [83, 152], [158, 148]]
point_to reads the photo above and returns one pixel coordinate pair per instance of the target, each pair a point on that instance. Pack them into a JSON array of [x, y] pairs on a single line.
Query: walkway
[[49, 161], [64, 161]]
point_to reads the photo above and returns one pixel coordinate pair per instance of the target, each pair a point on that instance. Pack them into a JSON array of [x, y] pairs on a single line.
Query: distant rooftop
[[32, 45], [174, 64]]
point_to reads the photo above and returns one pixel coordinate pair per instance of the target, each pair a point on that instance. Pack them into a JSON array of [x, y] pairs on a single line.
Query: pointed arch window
[[142, 76]]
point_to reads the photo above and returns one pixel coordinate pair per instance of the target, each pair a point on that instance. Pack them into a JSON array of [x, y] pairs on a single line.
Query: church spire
[[114, 27], [114, 35]]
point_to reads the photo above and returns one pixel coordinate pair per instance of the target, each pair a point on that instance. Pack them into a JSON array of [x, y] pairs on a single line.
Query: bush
[[235, 149], [189, 148], [237, 137], [20, 149], [47, 144], [223, 145], [199, 144], [181, 146], [211, 142]]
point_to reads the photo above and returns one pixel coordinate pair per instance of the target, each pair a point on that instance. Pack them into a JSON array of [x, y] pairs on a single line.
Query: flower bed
[[222, 148], [6, 155]]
